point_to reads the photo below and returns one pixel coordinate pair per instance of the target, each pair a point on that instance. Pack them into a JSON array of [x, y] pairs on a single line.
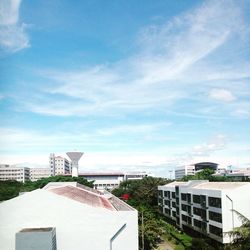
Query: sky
[[136, 85]]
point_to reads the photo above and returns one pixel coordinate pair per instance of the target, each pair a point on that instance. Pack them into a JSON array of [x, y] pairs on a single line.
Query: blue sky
[[136, 85]]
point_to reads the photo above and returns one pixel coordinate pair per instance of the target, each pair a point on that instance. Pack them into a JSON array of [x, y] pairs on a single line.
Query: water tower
[[74, 157]]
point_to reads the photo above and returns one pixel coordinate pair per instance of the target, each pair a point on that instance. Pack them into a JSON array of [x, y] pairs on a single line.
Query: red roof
[[83, 196]]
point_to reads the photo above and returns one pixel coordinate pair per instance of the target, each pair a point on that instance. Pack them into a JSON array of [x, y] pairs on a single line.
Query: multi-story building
[[39, 173], [192, 169], [59, 165], [8, 172], [206, 207]]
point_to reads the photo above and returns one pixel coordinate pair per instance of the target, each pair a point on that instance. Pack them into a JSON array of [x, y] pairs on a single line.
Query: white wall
[[78, 226]]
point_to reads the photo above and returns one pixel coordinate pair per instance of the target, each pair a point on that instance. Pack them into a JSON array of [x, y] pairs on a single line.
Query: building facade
[[8, 172], [39, 173], [192, 169], [59, 165], [110, 180], [205, 207]]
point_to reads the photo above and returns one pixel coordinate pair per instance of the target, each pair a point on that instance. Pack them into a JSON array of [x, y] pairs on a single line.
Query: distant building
[[39, 173], [17, 173], [240, 174], [59, 165], [77, 217], [110, 180], [205, 207], [192, 169]]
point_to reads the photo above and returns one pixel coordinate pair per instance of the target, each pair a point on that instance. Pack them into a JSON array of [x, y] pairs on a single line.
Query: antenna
[[74, 157]]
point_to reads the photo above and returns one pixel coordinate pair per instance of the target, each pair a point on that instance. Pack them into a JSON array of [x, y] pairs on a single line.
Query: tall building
[[8, 172], [76, 216], [59, 165], [205, 207], [192, 169]]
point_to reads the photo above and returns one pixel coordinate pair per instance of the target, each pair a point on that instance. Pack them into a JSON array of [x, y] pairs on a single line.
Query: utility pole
[[142, 230]]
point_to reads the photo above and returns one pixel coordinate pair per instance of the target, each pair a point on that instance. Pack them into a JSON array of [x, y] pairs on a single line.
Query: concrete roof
[[220, 185]]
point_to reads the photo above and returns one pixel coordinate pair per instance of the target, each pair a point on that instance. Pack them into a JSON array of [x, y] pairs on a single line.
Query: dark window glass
[[173, 195], [214, 202], [215, 230], [215, 216], [184, 197], [196, 199]]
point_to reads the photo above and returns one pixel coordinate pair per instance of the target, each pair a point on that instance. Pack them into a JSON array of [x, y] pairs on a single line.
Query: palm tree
[[241, 235]]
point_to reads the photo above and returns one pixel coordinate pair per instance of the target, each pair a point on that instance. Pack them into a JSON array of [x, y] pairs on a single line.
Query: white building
[[192, 169], [8, 172], [83, 218], [59, 165], [206, 207], [110, 180], [39, 173]]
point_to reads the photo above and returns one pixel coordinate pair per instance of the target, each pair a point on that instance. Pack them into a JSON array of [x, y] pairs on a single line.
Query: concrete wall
[[78, 226]]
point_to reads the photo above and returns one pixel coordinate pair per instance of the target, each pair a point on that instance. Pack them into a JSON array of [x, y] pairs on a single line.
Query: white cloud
[[221, 95], [171, 65], [12, 33]]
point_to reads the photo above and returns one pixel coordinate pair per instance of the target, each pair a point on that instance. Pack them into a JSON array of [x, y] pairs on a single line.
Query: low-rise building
[[39, 173], [110, 180], [206, 207], [76, 216], [192, 169], [8, 172]]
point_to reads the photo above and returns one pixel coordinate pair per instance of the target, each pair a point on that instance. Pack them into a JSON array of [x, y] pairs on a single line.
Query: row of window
[[198, 199]]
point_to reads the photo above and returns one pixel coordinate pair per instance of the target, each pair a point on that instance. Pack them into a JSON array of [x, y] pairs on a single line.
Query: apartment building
[[8, 172], [39, 173], [192, 169], [59, 165], [205, 207]]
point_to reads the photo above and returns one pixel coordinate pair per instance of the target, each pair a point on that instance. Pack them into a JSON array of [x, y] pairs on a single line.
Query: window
[[173, 204], [196, 199], [215, 216], [215, 230], [167, 211], [183, 197], [160, 192], [214, 202], [167, 194], [184, 207], [173, 195], [166, 202]]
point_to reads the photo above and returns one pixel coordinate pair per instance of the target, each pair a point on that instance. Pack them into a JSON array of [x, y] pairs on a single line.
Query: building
[[239, 174], [81, 218], [8, 172], [192, 169], [110, 180], [205, 207], [39, 173], [59, 165]]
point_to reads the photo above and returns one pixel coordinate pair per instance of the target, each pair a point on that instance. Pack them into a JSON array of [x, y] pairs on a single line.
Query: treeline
[[10, 189]]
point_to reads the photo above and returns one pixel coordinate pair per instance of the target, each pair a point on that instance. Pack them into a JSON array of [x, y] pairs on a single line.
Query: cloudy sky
[[136, 85]]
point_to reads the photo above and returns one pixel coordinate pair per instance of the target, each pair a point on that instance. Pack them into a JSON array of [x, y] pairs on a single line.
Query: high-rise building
[[59, 165], [205, 207]]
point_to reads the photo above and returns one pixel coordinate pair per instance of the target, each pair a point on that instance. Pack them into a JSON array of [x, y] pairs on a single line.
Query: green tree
[[241, 235]]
